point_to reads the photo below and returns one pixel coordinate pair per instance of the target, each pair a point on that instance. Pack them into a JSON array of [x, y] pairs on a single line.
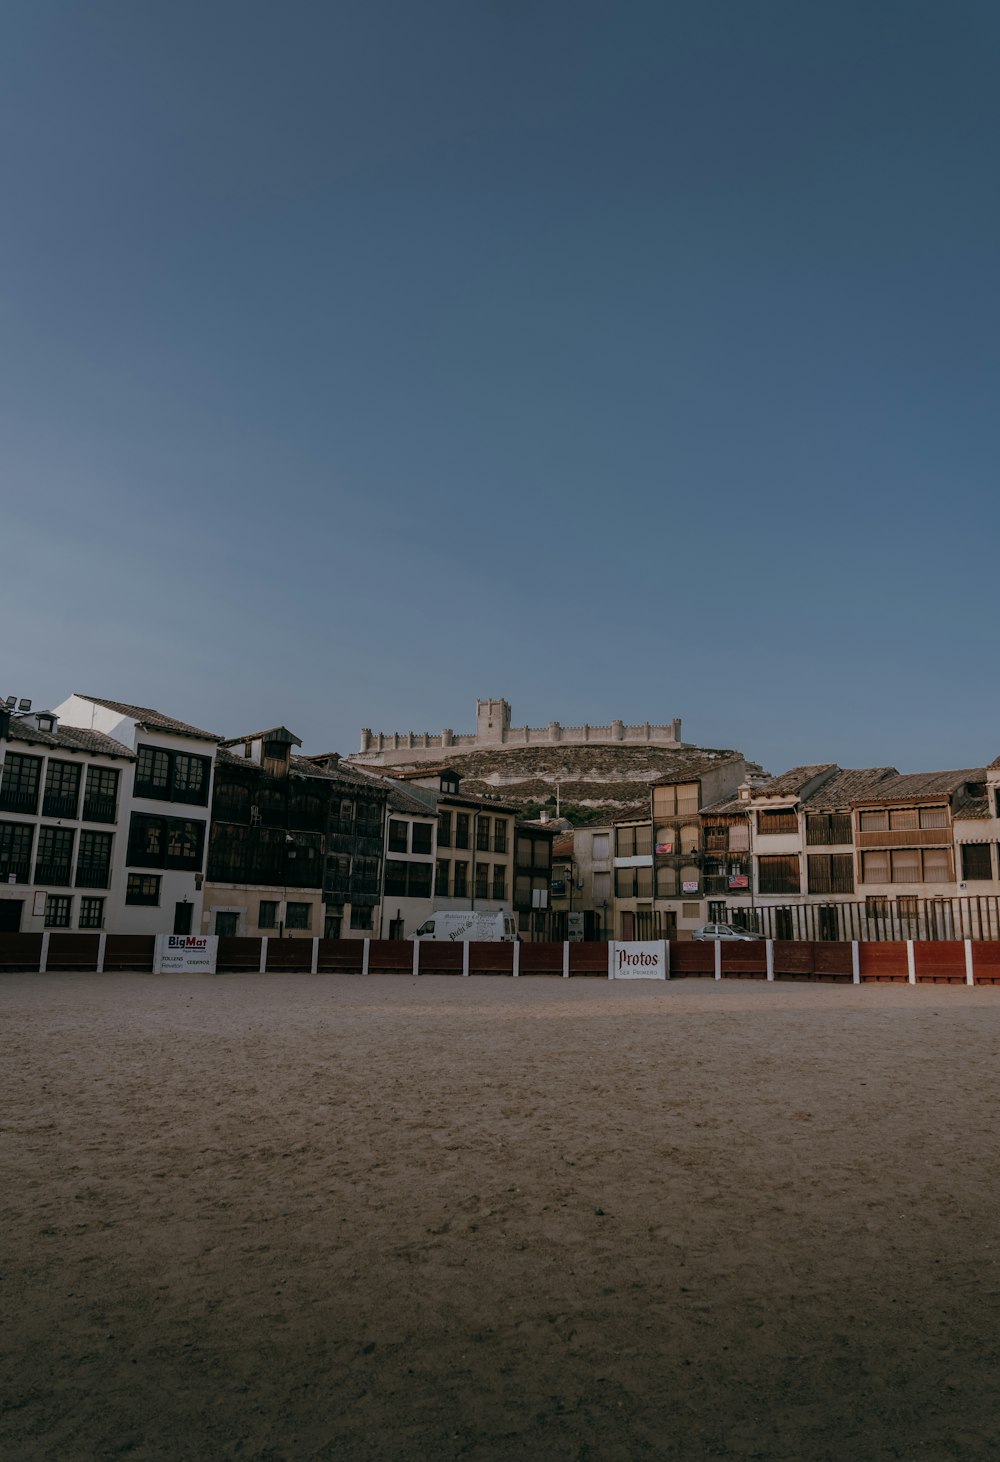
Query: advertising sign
[[664, 847], [690, 887], [739, 880], [186, 954], [638, 961]]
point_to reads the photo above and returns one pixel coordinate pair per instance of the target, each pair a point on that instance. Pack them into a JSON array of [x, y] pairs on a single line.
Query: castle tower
[[492, 722]]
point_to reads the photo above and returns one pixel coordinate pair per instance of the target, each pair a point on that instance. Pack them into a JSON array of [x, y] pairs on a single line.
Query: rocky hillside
[[611, 777]]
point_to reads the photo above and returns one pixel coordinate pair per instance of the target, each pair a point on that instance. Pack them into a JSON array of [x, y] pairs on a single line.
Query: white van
[[468, 924]]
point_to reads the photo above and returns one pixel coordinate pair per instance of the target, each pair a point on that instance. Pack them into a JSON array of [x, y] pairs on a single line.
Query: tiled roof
[[971, 809], [152, 720], [280, 733], [850, 782], [907, 785], [790, 783], [69, 738], [563, 847], [638, 813], [417, 772]]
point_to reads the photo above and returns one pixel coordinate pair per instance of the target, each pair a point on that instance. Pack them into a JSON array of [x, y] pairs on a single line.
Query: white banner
[[638, 961], [186, 954]]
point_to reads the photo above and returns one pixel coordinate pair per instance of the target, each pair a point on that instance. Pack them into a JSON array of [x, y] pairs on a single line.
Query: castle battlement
[[493, 731]]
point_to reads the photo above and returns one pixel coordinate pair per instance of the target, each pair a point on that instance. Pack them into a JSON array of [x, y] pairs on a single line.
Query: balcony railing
[[54, 874], [93, 875], [60, 804], [11, 801], [16, 868], [99, 809]]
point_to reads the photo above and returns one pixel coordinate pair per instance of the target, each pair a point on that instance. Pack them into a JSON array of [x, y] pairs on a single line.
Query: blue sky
[[636, 359]]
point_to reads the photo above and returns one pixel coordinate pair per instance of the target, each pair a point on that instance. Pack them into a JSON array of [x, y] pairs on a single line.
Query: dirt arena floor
[[330, 1217]]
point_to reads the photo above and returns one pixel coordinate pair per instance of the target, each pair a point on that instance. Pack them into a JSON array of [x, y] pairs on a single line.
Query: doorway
[[10, 915], [226, 923], [182, 917]]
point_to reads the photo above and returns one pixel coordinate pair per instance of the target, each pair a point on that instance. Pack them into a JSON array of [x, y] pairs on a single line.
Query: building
[[494, 730], [581, 883], [62, 794], [355, 851], [533, 842], [266, 858], [158, 861]]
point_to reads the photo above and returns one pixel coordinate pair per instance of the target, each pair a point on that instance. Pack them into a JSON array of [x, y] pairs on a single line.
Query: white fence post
[[611, 959], [43, 957], [101, 945], [970, 976], [314, 966], [465, 957], [566, 959], [718, 959], [769, 957], [517, 958], [364, 957], [263, 954], [416, 956], [855, 962], [911, 964]]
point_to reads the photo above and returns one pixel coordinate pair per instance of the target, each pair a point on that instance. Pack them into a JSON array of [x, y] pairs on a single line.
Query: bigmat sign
[[186, 954], [644, 961]]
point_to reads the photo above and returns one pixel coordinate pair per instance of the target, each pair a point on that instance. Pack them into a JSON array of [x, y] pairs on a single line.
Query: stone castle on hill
[[494, 732]]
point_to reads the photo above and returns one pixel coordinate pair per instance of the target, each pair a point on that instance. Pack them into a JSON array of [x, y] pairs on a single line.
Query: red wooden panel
[[390, 957], [691, 957], [883, 961], [238, 954], [833, 957], [793, 958], [546, 959], [20, 951], [986, 962], [72, 951], [441, 957], [289, 955], [939, 963], [495, 959], [744, 959], [588, 959], [341, 956], [129, 952]]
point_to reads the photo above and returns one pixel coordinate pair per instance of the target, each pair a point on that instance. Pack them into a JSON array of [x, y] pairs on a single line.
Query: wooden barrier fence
[[915, 962]]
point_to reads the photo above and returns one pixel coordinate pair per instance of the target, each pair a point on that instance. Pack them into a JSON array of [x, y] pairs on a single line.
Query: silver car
[[724, 931]]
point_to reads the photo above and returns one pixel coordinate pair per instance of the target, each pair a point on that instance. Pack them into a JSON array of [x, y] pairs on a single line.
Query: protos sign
[[186, 954], [644, 961]]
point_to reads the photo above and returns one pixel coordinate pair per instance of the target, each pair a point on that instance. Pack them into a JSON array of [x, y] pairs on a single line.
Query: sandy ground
[[288, 1217]]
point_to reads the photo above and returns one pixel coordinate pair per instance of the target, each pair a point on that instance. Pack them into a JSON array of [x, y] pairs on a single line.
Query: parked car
[[724, 931]]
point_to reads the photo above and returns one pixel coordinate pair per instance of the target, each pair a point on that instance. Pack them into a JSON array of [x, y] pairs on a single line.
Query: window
[[874, 822], [448, 783], [444, 829], [461, 829], [937, 865], [977, 861], [267, 914], [58, 908], [91, 913], [666, 881], [361, 918], [408, 880], [93, 864], [482, 881], [100, 799], [602, 885], [276, 751], [142, 888], [934, 817], [172, 776], [499, 882], [165, 842], [599, 847], [783, 820], [482, 834], [461, 880], [907, 906], [54, 855], [500, 836], [907, 865], [828, 827], [831, 873], [19, 786], [441, 876], [633, 842], [62, 789], [397, 836], [16, 840], [634, 883], [298, 916], [779, 875], [876, 906], [675, 801], [902, 819], [422, 835]]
